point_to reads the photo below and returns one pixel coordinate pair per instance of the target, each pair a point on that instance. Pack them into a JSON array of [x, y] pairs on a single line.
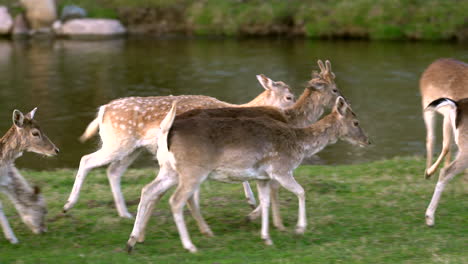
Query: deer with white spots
[[457, 114], [24, 135], [128, 125], [321, 93], [444, 78], [194, 149]]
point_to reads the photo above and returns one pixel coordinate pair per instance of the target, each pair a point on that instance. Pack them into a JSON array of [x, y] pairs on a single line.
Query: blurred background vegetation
[[366, 19]]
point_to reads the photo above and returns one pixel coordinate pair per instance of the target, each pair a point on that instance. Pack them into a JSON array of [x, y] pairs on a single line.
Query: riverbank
[[366, 213], [383, 19]]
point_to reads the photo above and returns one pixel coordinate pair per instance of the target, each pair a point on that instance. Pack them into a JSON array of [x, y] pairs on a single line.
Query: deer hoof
[[268, 241], [429, 221], [300, 230], [208, 233], [192, 249]]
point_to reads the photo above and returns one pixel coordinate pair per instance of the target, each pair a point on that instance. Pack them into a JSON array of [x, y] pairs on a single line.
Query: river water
[[68, 80]]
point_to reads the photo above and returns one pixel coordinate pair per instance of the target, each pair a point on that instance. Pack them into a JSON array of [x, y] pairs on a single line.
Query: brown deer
[[443, 78], [457, 114], [128, 125], [321, 92], [237, 149], [24, 135]]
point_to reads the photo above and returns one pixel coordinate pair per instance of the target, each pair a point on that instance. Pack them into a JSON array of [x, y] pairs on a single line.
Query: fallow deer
[[446, 78], [457, 114], [24, 135], [321, 92], [127, 125], [237, 149]]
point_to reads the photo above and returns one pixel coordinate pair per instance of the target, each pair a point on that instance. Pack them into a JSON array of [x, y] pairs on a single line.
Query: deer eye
[[335, 90], [356, 123], [35, 133], [289, 98]]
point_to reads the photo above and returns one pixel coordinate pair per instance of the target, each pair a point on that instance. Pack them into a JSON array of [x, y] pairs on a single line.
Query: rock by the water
[[72, 12], [6, 21], [89, 27], [20, 25], [40, 14]]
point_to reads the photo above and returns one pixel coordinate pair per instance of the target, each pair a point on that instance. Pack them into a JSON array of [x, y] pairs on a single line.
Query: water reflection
[[69, 80]]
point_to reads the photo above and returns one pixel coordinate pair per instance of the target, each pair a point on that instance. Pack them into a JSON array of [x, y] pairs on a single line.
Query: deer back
[[444, 78]]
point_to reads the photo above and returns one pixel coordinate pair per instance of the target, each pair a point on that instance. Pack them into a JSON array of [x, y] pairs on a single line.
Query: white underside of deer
[[129, 124]]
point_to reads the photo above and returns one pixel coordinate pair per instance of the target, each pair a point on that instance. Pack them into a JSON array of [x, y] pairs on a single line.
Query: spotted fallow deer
[[24, 135], [321, 92], [237, 149], [457, 114], [446, 78], [128, 125]]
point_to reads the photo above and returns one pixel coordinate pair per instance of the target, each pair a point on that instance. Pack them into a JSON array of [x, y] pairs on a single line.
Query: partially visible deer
[[237, 149], [24, 135], [129, 124], [443, 78], [457, 114]]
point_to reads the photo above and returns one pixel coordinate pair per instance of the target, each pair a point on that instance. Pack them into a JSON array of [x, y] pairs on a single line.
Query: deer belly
[[236, 175]]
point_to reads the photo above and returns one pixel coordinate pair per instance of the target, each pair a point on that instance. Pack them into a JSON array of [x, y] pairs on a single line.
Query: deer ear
[[341, 106], [266, 82], [329, 69], [30, 115], [321, 66], [18, 118]]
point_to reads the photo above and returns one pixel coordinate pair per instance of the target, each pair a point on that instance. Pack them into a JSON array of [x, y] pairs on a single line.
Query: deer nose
[[56, 151]]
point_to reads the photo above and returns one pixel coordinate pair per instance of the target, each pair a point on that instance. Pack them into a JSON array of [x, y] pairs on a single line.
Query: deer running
[[236, 149], [457, 114], [446, 78], [129, 124], [24, 135]]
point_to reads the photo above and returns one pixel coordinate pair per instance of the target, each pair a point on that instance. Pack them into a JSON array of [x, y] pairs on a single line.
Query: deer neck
[[258, 101], [10, 147], [307, 110], [320, 134]]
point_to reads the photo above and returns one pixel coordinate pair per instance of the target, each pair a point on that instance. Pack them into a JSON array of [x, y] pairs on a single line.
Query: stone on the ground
[[20, 25], [72, 12], [6, 21], [89, 27]]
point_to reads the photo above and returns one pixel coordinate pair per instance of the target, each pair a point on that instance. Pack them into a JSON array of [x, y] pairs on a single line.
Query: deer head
[[349, 125], [279, 93], [324, 83], [29, 135]]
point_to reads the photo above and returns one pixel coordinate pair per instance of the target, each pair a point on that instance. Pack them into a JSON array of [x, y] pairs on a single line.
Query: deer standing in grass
[[24, 135], [128, 125], [457, 114], [321, 92], [237, 149], [446, 78]]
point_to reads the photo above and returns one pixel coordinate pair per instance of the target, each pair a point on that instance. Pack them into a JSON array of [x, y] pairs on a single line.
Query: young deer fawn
[[443, 78], [24, 135], [129, 124], [236, 149], [456, 112]]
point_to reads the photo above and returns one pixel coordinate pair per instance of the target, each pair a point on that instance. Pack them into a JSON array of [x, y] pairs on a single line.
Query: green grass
[[367, 213]]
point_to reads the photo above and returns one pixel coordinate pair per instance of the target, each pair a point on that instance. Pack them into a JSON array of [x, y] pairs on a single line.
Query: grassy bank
[[368, 213], [373, 19], [381, 19]]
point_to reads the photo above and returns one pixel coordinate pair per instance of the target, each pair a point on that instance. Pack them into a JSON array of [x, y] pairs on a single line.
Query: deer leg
[[194, 207], [150, 194], [277, 221], [249, 194], [114, 172], [7, 231], [185, 189], [429, 121], [445, 175], [290, 184], [88, 162], [446, 144], [264, 195]]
